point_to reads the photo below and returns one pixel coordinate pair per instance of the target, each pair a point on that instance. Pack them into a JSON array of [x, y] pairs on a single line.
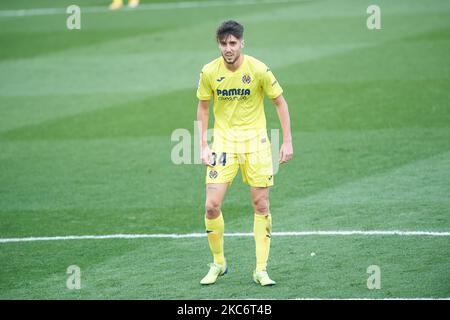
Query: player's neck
[[234, 66]]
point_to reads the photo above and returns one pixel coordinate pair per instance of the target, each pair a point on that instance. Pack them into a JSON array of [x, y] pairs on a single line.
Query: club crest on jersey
[[246, 79], [213, 174]]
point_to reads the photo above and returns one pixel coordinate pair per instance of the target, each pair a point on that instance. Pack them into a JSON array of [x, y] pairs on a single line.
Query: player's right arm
[[204, 94], [202, 122]]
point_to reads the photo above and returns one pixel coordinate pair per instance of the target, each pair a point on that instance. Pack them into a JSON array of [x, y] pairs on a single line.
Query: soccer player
[[237, 83]]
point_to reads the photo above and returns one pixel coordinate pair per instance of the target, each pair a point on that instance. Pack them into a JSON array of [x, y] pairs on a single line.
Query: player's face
[[230, 47]]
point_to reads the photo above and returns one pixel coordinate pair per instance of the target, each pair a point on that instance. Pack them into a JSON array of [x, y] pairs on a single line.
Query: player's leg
[[258, 173], [215, 227], [262, 229], [218, 177]]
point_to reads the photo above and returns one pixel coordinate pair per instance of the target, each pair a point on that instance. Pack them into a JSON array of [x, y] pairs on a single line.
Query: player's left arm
[[286, 150]]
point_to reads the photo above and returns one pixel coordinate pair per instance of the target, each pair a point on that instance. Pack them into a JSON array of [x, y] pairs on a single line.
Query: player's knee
[[261, 205], [212, 208]]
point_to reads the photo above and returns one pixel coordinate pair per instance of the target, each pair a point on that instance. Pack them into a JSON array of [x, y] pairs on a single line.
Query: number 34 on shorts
[[256, 168]]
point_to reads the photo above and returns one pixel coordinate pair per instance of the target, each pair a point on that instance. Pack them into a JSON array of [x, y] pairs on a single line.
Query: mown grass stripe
[[149, 6]]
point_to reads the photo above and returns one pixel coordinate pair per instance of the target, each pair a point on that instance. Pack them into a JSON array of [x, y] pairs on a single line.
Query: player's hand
[[286, 152], [206, 155]]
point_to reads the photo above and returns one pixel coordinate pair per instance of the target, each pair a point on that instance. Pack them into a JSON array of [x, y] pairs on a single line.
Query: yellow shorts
[[256, 168]]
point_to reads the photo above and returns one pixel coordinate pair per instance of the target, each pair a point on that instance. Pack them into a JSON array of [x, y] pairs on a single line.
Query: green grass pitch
[[86, 118]]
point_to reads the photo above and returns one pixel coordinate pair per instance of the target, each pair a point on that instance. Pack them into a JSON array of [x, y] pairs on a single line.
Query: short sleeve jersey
[[238, 97]]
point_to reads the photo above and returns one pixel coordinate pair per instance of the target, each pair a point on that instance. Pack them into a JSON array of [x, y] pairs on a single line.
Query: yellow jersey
[[239, 119]]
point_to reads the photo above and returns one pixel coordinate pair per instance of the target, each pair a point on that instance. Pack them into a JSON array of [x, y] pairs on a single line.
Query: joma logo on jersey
[[233, 92]]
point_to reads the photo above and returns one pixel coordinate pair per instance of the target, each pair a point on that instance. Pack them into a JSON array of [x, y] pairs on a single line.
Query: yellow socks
[[262, 230], [215, 229]]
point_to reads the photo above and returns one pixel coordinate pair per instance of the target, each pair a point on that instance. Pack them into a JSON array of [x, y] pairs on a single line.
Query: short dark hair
[[230, 27]]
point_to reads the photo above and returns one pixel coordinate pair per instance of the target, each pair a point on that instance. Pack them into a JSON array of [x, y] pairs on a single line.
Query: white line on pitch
[[424, 298], [199, 235], [315, 298], [149, 6]]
